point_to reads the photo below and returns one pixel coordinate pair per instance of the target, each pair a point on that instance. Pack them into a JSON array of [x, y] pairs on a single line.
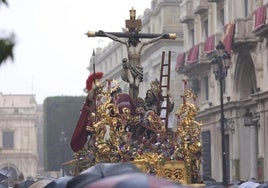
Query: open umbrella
[[249, 184], [233, 186], [3, 185], [59, 183], [40, 184], [100, 171], [134, 180], [25, 184], [4, 173], [263, 185], [2, 177]]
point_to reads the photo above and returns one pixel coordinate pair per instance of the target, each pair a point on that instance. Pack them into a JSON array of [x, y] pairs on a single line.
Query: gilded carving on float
[[126, 128], [141, 138]]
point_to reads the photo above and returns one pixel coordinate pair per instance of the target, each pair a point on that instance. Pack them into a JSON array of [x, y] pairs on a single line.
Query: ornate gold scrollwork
[[174, 156]]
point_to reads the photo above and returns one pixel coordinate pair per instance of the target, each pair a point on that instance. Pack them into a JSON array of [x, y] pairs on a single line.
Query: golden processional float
[[143, 140]]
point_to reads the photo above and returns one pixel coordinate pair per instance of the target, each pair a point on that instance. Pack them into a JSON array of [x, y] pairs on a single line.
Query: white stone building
[[242, 26], [19, 119]]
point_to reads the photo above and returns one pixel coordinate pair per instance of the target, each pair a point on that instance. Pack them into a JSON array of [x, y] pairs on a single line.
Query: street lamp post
[[221, 64]]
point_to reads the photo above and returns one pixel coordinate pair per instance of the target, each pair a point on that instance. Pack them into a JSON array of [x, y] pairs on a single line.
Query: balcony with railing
[[243, 33], [198, 57], [260, 21], [210, 43], [180, 63], [192, 61], [187, 14], [200, 6]]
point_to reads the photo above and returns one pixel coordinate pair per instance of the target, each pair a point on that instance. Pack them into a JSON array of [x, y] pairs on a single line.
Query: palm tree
[[6, 44]]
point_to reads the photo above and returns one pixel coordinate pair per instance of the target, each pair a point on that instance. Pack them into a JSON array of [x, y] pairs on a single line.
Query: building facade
[[19, 119], [242, 26]]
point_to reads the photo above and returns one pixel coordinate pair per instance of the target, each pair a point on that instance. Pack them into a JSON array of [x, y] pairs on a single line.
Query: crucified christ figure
[[132, 71]]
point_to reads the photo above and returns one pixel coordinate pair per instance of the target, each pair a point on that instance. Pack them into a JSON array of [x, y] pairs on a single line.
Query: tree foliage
[[6, 49], [60, 114], [6, 44], [3, 2]]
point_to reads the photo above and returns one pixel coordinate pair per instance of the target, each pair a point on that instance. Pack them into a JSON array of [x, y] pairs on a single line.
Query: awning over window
[[260, 17], [180, 61], [209, 44], [228, 36], [193, 54]]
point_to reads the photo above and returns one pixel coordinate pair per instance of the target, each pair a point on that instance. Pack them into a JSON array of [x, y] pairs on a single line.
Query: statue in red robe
[[81, 133]]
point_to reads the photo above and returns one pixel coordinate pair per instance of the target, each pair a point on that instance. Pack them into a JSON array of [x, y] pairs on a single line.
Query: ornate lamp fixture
[[248, 118], [221, 62]]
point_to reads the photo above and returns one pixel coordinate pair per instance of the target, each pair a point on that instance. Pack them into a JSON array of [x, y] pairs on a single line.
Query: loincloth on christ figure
[[136, 71]]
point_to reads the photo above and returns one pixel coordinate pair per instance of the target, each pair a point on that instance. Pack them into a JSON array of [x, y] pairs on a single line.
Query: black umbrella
[[2, 177], [4, 173], [134, 180], [59, 183], [100, 171], [212, 184], [25, 184], [3, 185], [263, 185], [40, 183]]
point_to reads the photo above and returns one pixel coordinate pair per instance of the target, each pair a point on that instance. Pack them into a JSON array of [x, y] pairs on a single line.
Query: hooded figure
[[80, 134]]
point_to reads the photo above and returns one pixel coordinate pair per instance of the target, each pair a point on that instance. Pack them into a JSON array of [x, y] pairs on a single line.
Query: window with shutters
[[8, 140], [206, 144]]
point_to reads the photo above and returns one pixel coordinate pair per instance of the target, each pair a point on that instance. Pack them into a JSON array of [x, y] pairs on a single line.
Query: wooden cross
[[132, 70], [134, 26]]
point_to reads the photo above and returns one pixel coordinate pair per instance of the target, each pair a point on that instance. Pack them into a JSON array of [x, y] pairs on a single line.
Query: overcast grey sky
[[52, 51]]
